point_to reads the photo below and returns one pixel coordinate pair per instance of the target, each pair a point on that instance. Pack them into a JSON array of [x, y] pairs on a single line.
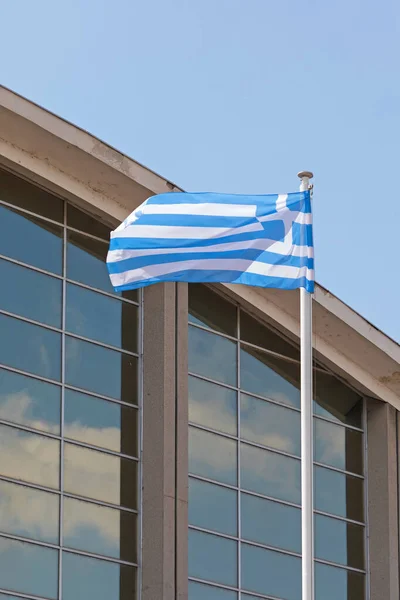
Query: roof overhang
[[72, 163]]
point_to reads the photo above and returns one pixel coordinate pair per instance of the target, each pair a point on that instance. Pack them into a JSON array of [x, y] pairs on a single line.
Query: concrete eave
[[72, 163]]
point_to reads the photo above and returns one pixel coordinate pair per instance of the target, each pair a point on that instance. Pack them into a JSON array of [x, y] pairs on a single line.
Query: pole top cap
[[303, 174]]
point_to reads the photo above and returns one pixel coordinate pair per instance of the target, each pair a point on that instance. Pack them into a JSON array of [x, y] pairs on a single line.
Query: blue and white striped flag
[[263, 241]]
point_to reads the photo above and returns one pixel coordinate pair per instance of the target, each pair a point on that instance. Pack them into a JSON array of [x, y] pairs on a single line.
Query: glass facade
[[244, 464], [69, 406]]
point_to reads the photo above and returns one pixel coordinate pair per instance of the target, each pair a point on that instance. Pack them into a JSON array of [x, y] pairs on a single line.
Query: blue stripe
[[198, 276], [252, 254], [302, 235], [131, 243], [183, 220]]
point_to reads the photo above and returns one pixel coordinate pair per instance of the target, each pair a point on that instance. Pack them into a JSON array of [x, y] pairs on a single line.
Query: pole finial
[[303, 174]]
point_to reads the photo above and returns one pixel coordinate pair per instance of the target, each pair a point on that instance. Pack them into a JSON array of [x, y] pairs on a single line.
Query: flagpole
[[307, 491]]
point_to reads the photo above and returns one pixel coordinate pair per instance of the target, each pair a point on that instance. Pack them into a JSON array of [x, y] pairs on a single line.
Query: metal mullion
[[21, 538], [31, 375], [366, 512], [31, 267], [63, 366], [28, 429], [101, 292], [139, 541], [69, 334], [110, 559], [19, 595], [329, 563], [86, 446], [74, 388], [337, 470], [239, 502], [30, 213], [339, 518], [86, 234], [30, 321], [339, 424]]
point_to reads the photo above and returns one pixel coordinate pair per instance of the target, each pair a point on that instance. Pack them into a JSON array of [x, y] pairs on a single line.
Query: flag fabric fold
[[263, 241]]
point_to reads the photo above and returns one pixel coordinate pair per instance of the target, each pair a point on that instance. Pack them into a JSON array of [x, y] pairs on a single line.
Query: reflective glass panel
[[256, 333], [29, 457], [100, 476], [212, 456], [270, 377], [28, 569], [100, 370], [200, 591], [30, 348], [212, 356], [212, 406], [339, 542], [86, 261], [332, 583], [85, 578], [209, 309], [42, 303], [99, 529], [271, 573], [336, 401], [339, 494], [28, 512], [270, 474], [102, 318], [19, 192], [212, 507], [80, 220], [100, 423], [212, 558], [38, 242], [338, 446], [28, 401], [270, 523], [269, 424]]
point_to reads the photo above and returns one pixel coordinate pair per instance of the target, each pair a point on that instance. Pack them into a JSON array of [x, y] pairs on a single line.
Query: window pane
[[332, 583], [29, 457], [38, 243], [211, 310], [86, 262], [101, 423], [212, 507], [98, 529], [270, 377], [212, 356], [212, 406], [85, 578], [212, 456], [270, 523], [28, 569], [28, 512], [100, 370], [41, 303], [270, 425], [271, 573], [30, 402], [338, 447], [336, 401], [30, 348], [200, 591], [100, 476], [80, 220], [212, 558], [339, 542], [101, 318], [256, 333], [339, 494], [19, 192], [270, 474]]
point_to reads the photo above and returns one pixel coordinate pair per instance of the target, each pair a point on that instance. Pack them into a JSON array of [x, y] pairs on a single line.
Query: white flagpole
[[307, 492]]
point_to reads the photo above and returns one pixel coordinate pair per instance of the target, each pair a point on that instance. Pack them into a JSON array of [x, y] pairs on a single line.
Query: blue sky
[[237, 96]]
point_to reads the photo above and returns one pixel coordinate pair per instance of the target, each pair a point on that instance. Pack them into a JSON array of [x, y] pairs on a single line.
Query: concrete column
[[164, 520], [382, 501]]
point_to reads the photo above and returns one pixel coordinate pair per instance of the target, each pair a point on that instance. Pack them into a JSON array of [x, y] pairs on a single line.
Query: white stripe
[[304, 218], [281, 201], [282, 248], [211, 264], [198, 233], [206, 209]]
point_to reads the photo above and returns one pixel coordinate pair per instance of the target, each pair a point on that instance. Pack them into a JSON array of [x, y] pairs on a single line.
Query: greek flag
[[261, 241]]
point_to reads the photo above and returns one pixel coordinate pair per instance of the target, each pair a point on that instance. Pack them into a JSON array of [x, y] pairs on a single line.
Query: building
[[150, 441]]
